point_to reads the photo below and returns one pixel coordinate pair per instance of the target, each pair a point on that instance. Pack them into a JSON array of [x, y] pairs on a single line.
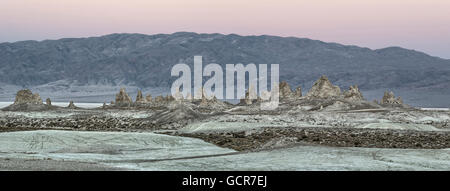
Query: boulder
[[250, 96], [210, 102], [285, 90], [323, 89], [159, 99], [139, 97], [148, 98], [169, 98], [203, 95], [122, 98], [27, 97], [48, 102], [298, 92], [389, 98], [27, 101], [178, 95], [353, 94], [72, 105], [246, 100]]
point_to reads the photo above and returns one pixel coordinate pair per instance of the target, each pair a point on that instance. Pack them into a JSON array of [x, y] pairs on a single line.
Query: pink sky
[[422, 25]]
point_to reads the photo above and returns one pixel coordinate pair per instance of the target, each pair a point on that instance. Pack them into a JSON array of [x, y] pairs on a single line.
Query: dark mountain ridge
[[145, 61]]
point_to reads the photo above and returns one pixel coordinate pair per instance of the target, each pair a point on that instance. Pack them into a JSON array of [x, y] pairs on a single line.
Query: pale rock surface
[[72, 105], [27, 101], [169, 98], [159, 99], [353, 94], [323, 89], [48, 102], [178, 95], [285, 90], [122, 98], [298, 92], [139, 97], [26, 96], [389, 98], [250, 96], [148, 98]]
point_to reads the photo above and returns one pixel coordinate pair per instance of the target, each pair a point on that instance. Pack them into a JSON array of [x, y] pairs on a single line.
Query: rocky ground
[[323, 117], [243, 132], [18, 164], [268, 138], [81, 150]]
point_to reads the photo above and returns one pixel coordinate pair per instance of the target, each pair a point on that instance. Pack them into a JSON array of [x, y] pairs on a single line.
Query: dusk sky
[[423, 25]]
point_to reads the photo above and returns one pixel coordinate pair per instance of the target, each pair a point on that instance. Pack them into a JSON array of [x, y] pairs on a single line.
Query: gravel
[[336, 137]]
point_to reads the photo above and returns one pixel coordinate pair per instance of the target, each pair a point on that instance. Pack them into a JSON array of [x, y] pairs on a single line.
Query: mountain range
[[90, 69]]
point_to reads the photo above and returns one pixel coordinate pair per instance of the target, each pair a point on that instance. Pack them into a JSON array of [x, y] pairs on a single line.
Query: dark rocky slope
[[145, 61]]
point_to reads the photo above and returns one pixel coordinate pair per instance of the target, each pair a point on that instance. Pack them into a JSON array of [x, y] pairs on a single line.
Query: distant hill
[[144, 61]]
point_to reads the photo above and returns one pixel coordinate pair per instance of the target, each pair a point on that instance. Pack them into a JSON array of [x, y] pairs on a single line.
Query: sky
[[422, 25]]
